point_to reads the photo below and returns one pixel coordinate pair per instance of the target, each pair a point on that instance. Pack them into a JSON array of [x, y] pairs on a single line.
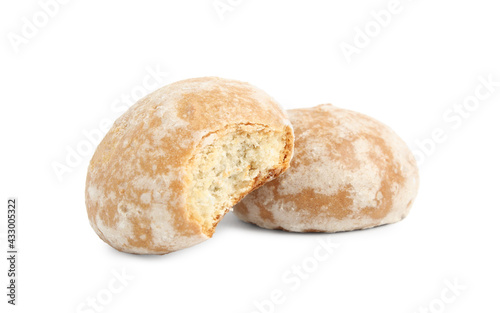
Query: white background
[[430, 56]]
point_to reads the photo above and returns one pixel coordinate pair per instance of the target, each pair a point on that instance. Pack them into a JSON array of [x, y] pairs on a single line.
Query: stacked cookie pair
[[178, 160]]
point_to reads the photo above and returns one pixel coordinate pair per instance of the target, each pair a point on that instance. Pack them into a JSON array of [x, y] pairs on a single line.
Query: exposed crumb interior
[[227, 168]]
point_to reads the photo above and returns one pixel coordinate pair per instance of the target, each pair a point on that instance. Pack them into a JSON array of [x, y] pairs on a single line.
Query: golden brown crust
[[137, 179], [349, 172]]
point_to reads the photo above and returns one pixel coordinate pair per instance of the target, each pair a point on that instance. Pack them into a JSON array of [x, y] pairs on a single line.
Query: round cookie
[[175, 162], [348, 172]]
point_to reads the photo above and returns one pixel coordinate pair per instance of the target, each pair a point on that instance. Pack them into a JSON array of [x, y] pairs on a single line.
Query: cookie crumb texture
[[179, 159], [349, 172]]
